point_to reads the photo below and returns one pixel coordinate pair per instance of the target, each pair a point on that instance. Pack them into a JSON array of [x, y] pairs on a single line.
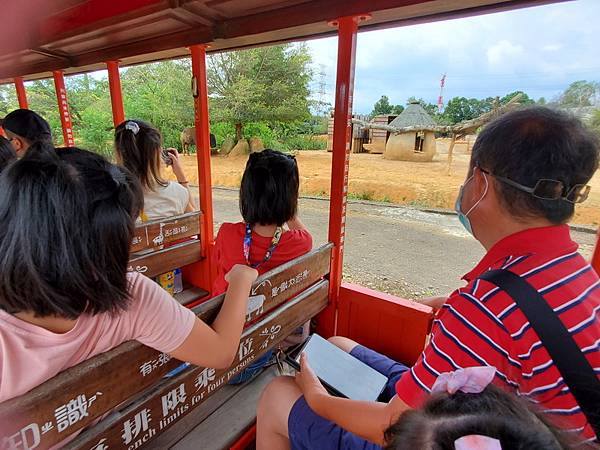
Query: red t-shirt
[[229, 250], [480, 325]]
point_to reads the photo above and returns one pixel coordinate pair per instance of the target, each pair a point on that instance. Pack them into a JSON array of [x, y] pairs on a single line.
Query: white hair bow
[[477, 442]]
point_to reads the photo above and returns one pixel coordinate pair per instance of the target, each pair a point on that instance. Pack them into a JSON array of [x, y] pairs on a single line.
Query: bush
[[95, 132], [280, 136], [304, 142]]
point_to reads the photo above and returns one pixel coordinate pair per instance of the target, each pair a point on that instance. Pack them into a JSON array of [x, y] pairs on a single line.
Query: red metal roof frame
[[77, 36]]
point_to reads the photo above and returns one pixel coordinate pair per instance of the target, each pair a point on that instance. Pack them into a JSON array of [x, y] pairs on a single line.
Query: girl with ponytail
[[138, 148], [67, 219], [271, 233]]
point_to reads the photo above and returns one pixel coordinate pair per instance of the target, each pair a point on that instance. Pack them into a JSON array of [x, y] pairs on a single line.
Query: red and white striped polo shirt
[[481, 325]]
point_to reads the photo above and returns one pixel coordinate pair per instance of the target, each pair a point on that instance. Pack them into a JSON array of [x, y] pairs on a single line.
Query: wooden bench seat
[[228, 423], [163, 245], [130, 379]]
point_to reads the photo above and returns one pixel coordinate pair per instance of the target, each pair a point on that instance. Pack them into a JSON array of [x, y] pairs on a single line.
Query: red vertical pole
[[116, 96], [342, 128], [201, 122], [63, 108], [596, 256], [21, 95]]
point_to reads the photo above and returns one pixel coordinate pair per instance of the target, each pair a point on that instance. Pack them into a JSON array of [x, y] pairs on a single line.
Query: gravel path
[[398, 250]]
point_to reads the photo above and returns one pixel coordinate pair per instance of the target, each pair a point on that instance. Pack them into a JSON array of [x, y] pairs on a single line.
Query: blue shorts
[[308, 431]]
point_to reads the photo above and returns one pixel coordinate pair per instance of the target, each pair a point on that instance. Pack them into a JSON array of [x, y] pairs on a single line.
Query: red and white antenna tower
[[440, 104]]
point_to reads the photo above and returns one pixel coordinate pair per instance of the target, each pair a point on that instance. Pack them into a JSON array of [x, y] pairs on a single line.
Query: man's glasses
[[546, 189]]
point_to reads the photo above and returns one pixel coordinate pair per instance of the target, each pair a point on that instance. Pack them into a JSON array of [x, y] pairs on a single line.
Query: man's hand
[[434, 302], [308, 383]]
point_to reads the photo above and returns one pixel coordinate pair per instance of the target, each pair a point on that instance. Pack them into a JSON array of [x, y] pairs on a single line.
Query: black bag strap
[[572, 364]]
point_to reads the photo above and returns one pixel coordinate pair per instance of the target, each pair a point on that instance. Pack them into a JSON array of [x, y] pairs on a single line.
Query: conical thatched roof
[[413, 116]]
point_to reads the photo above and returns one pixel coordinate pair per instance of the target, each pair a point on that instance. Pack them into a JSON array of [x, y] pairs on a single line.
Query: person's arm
[[215, 346], [181, 178], [368, 420]]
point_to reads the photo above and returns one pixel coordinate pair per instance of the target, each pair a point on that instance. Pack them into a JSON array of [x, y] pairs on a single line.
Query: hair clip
[[133, 127], [477, 442], [470, 380]]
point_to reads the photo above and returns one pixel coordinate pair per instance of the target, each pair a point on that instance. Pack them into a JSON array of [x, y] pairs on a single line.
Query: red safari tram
[[53, 38]]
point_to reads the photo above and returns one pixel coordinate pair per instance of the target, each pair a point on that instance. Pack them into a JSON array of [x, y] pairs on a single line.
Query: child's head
[[487, 419], [269, 190], [67, 218], [138, 147], [7, 152]]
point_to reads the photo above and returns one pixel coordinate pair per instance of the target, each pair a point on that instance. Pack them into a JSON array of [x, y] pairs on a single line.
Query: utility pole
[[440, 104]]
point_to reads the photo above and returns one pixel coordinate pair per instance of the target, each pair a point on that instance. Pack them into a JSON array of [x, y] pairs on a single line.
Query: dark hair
[[138, 145], [28, 125], [67, 218], [269, 189], [532, 144], [444, 418], [7, 152]]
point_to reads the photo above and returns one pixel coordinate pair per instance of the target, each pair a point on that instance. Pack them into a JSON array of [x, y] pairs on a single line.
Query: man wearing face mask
[[528, 170]]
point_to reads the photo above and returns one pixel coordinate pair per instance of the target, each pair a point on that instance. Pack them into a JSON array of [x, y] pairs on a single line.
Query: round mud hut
[[419, 145]]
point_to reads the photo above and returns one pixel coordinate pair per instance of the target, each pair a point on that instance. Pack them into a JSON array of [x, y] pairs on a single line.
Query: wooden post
[[596, 256], [116, 95], [450, 151], [342, 134], [205, 275], [63, 108], [21, 94]]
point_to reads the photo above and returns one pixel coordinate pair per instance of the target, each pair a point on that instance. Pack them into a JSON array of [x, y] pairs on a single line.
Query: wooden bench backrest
[[181, 235], [173, 398], [99, 384]]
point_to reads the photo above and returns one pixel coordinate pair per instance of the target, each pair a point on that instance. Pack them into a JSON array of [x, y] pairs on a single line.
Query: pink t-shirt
[[30, 355]]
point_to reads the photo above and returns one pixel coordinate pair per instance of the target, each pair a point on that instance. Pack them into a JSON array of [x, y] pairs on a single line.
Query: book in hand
[[340, 372]]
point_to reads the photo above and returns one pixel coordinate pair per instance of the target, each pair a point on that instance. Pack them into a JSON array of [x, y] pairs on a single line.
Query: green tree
[[263, 84], [523, 100], [160, 94], [460, 109], [8, 99], [382, 106], [595, 122], [397, 109], [580, 93]]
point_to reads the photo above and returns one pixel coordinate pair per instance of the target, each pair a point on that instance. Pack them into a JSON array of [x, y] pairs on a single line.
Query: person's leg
[[285, 421], [344, 343], [273, 411], [393, 370]]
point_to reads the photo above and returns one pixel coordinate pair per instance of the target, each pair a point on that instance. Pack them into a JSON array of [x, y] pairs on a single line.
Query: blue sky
[[539, 50]]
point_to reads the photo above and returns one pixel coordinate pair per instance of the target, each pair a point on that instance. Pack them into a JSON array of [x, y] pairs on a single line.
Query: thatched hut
[[417, 145]]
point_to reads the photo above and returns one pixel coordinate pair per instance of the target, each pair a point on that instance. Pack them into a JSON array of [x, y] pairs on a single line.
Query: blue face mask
[[464, 217]]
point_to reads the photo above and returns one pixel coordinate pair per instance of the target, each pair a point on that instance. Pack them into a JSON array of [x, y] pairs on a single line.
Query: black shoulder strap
[[575, 369]]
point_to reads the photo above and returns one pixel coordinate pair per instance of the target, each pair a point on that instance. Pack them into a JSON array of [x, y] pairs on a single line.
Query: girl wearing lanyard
[[271, 233]]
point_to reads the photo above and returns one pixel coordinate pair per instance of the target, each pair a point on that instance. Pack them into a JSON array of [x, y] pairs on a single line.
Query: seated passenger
[[138, 147], [271, 233], [465, 412], [7, 153], [24, 127], [65, 294], [528, 169]]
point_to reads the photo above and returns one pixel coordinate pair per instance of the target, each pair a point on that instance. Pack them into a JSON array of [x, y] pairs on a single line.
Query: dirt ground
[[422, 185]]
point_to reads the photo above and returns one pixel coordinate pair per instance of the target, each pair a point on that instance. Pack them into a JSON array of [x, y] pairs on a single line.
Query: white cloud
[[552, 47], [539, 50], [505, 53]]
